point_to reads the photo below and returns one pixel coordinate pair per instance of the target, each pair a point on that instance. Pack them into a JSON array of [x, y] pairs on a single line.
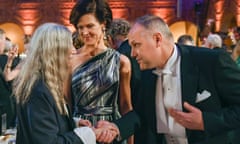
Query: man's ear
[[157, 38]]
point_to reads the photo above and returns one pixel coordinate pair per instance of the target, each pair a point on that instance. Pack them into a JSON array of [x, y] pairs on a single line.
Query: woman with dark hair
[[100, 75]]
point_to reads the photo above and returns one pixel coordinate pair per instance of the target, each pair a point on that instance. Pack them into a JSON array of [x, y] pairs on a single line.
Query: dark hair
[[119, 27], [77, 42], [184, 38], [100, 8]]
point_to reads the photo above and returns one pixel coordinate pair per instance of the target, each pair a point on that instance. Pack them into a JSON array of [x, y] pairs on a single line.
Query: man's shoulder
[[197, 51], [125, 48], [201, 56]]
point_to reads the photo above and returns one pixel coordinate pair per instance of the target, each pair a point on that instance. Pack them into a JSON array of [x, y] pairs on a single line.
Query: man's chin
[[144, 67]]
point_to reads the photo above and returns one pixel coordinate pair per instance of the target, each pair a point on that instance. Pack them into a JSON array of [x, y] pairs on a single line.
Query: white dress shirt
[[170, 97]]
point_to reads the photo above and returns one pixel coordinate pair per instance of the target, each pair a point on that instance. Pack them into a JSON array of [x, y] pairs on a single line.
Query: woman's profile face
[[90, 30]]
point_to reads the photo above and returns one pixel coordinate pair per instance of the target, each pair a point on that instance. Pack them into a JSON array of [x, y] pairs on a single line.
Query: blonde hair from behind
[[47, 60]]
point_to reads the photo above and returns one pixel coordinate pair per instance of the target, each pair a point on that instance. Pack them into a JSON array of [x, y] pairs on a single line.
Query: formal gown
[[95, 88]]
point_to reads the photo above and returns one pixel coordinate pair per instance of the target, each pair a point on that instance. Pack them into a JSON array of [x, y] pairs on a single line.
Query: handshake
[[105, 131]]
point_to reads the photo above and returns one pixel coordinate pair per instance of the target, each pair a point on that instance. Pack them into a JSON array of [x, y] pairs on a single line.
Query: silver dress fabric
[[95, 86]]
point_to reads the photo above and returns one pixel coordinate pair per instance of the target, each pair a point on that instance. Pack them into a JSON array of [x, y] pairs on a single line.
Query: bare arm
[[125, 90]]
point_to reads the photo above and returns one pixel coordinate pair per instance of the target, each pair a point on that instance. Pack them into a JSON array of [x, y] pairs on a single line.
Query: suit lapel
[[189, 78], [189, 75], [148, 91]]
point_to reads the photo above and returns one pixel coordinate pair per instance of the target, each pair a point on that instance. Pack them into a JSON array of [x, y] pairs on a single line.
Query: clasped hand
[[105, 131]]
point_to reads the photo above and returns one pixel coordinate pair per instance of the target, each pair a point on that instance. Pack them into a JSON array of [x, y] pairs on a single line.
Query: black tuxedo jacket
[[40, 122], [201, 69]]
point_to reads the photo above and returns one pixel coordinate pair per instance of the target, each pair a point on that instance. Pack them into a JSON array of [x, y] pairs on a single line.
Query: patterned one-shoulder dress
[[95, 86]]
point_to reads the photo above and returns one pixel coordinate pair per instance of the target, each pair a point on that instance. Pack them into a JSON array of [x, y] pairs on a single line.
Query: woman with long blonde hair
[[42, 110]]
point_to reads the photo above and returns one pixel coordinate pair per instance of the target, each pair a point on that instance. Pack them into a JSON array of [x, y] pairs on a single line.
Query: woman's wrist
[[9, 64]]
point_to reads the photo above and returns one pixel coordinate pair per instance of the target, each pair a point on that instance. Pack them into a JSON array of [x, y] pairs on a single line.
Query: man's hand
[[106, 131], [191, 119]]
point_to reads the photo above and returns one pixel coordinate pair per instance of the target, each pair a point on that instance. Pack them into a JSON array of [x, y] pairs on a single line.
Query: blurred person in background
[[26, 41], [117, 36], [6, 98], [117, 33], [236, 53], [236, 48], [186, 40], [2, 40], [213, 41]]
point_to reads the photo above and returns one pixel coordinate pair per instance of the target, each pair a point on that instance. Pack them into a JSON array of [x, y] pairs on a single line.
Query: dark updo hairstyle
[[100, 8]]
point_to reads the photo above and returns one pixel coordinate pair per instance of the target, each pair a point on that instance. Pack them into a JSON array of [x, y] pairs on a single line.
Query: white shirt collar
[[169, 68]]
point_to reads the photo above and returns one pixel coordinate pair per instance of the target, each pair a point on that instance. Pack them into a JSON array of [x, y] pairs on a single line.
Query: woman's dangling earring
[[104, 33]]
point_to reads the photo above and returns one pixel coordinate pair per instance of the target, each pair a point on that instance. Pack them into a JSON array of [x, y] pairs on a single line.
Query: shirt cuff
[[76, 121], [86, 134]]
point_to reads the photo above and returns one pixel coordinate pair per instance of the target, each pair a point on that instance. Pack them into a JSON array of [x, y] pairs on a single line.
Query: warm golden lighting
[[120, 13], [183, 27], [165, 13], [28, 29], [14, 33], [29, 18], [219, 13], [238, 12]]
